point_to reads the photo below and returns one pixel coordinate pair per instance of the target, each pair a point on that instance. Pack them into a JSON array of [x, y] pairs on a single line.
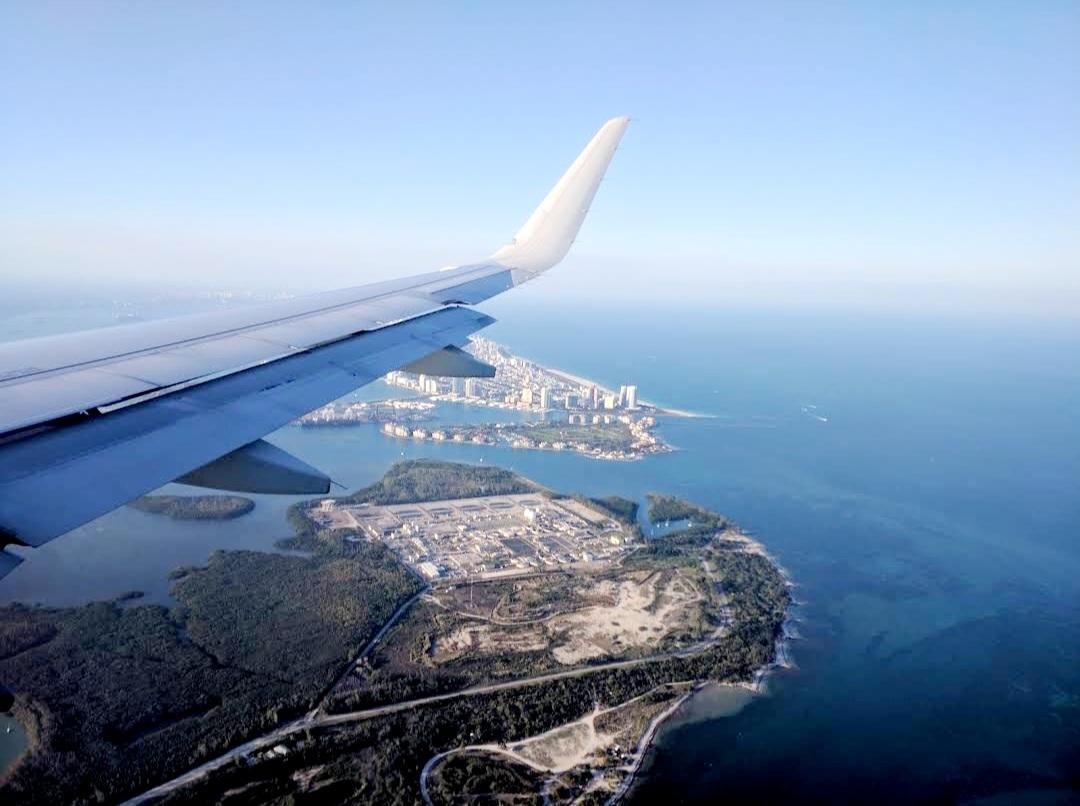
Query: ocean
[[919, 478]]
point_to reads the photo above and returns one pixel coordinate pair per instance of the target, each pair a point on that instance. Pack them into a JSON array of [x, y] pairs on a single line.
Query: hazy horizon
[[870, 158]]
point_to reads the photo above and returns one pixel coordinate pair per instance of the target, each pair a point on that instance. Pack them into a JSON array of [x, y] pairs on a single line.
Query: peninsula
[[524, 385], [453, 630]]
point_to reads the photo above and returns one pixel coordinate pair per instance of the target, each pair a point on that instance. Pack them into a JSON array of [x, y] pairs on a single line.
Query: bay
[[919, 478]]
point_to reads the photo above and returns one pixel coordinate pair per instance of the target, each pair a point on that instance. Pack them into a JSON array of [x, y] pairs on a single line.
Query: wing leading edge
[[89, 421]]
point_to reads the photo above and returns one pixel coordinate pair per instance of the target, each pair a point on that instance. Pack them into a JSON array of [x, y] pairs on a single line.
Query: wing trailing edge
[[89, 421]]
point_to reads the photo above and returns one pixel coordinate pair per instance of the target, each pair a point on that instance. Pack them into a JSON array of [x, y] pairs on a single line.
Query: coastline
[[646, 742], [30, 722], [626, 763], [756, 685], [569, 376], [633, 456], [634, 763]]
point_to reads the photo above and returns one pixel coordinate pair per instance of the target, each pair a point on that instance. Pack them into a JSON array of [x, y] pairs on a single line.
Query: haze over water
[[929, 521]]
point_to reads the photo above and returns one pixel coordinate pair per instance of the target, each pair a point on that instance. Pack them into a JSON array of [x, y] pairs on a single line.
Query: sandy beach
[[567, 376]]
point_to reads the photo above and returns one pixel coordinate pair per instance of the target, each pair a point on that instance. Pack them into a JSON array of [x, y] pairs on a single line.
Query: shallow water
[[12, 740]]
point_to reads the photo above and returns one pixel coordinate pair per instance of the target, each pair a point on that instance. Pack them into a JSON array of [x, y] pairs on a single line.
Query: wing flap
[[259, 467], [52, 397], [91, 420], [71, 474]]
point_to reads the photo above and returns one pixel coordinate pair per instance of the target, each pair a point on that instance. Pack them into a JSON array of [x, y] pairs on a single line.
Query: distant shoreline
[[569, 376]]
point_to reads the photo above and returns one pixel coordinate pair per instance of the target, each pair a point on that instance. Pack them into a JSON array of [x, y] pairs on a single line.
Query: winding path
[[589, 720], [317, 718]]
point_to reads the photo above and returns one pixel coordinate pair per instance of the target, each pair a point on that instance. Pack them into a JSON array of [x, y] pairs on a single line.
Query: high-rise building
[[595, 397], [470, 387], [610, 401], [527, 396], [545, 398], [622, 396], [457, 385], [631, 397]]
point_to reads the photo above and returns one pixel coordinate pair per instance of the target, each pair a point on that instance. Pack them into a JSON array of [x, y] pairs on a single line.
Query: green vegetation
[[480, 777], [432, 480], [125, 696], [289, 617], [604, 436], [402, 667], [121, 696], [379, 759], [621, 509], [671, 508], [195, 507]]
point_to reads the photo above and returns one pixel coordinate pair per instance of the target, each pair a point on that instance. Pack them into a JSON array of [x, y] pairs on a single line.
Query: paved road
[[590, 720], [316, 718], [370, 646]]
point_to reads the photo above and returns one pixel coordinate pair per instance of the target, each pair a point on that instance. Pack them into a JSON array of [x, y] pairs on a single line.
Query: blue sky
[[873, 155]]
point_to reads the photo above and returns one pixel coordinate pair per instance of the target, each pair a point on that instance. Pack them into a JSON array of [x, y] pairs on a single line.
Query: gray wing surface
[[89, 421]]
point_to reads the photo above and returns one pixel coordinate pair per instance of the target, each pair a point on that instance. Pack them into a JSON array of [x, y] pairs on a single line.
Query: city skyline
[[519, 383]]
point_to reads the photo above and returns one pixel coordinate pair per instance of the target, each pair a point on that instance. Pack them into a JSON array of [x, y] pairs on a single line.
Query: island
[[579, 415], [622, 438], [449, 631], [195, 507]]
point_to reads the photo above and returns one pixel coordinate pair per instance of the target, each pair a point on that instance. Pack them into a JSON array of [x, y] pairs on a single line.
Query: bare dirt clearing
[[643, 612], [484, 639], [610, 617], [589, 757]]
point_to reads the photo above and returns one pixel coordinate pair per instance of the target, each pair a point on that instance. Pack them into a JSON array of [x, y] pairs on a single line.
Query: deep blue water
[[930, 524]]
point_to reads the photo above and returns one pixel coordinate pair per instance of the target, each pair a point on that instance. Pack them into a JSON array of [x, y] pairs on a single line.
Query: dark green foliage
[[195, 507], [289, 617], [473, 776], [671, 508], [379, 760], [126, 697], [683, 543], [133, 695], [432, 480], [759, 591], [23, 628], [621, 509]]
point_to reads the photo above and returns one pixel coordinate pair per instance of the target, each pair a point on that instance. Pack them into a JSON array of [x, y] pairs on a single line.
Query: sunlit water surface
[[920, 481]]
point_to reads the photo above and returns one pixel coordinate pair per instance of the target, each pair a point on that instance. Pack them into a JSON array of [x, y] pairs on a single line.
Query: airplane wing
[[91, 420]]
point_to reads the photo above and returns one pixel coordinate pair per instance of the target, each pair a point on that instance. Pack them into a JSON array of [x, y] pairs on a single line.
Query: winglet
[[546, 237]]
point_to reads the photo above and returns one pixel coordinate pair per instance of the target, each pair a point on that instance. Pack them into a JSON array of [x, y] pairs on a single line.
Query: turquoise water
[[929, 521]]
